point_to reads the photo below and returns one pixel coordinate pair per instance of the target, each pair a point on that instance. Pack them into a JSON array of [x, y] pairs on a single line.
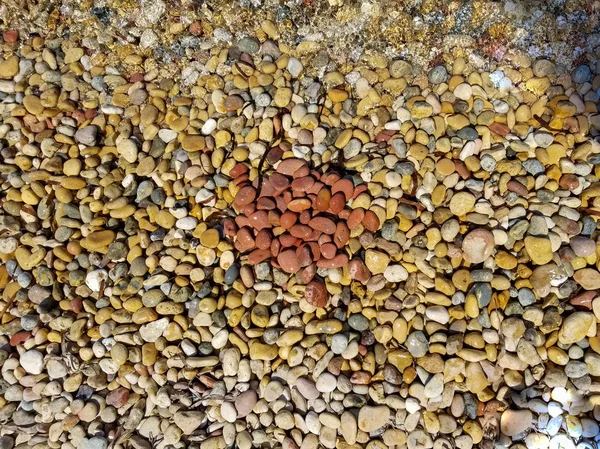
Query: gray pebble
[[438, 75]]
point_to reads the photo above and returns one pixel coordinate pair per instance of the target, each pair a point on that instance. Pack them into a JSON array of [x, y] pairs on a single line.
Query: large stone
[[373, 418], [188, 421], [515, 422], [575, 327], [478, 245]]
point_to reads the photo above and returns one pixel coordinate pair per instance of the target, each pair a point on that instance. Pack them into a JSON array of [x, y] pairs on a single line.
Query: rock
[[539, 249], [372, 418], [245, 402], [478, 245], [152, 331], [316, 293], [588, 278], [32, 361], [188, 421], [438, 75], [515, 422], [575, 327], [376, 261], [87, 135], [307, 388]]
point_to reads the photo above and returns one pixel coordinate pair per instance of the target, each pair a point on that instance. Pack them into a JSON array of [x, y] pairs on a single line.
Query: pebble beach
[[299, 224]]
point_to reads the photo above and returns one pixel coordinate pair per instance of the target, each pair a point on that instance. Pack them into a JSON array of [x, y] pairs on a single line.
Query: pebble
[[253, 244], [32, 361], [373, 418]]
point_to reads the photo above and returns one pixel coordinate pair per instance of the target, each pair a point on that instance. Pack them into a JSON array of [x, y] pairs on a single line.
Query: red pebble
[[323, 224], [258, 256], [303, 184], [290, 166], [275, 247], [345, 186], [288, 261], [307, 274], [304, 255], [342, 234], [358, 270], [301, 231], [229, 227], [266, 203], [337, 203], [19, 337], [10, 37], [288, 219], [287, 240], [371, 221], [244, 240], [305, 217], [337, 262], [356, 217], [259, 220], [117, 398], [328, 250], [263, 239], [316, 293]]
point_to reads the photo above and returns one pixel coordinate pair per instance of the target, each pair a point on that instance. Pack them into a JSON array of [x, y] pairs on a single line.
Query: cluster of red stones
[[297, 217]]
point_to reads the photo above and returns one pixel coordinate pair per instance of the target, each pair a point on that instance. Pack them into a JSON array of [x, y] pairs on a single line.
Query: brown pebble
[[568, 182], [323, 200], [517, 187]]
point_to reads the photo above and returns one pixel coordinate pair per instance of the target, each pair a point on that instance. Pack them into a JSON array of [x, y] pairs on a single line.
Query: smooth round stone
[[395, 273], [307, 388], [478, 245], [581, 74], [438, 75], [339, 343], [417, 344], [515, 422], [463, 91], [32, 361], [326, 383], [249, 45], [358, 322], [373, 418]]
